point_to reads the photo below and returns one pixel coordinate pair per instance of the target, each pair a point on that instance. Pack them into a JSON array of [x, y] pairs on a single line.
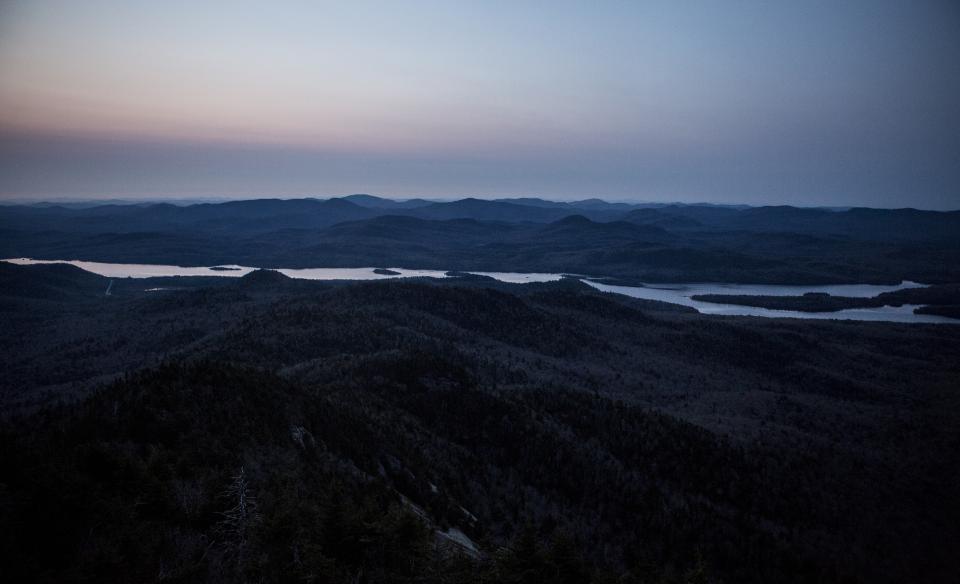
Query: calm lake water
[[681, 293], [233, 271], [674, 293]]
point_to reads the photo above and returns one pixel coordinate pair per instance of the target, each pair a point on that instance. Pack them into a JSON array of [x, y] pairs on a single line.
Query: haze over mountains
[[210, 375], [630, 242]]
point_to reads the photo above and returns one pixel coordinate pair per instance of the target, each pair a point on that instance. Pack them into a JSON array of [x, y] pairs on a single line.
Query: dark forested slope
[[267, 429]]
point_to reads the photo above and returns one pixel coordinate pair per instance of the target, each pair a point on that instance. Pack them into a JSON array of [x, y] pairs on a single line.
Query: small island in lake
[[469, 276], [224, 269], [617, 281], [942, 300], [809, 302], [385, 272]]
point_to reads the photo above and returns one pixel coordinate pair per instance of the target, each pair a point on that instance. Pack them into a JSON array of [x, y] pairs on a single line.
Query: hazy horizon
[[815, 104], [199, 199]]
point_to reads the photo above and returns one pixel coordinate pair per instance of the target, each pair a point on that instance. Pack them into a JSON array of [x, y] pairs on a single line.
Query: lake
[[673, 293], [681, 293]]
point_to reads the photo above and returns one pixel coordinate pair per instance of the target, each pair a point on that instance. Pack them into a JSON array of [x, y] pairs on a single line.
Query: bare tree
[[239, 519]]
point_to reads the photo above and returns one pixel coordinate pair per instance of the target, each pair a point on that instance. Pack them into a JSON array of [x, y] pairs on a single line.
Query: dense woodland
[[263, 429]]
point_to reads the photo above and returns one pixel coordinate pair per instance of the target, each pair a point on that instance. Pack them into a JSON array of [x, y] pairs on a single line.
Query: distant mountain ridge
[[656, 243], [311, 213]]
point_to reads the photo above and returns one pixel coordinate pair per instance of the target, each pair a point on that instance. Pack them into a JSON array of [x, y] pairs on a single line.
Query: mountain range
[[665, 243]]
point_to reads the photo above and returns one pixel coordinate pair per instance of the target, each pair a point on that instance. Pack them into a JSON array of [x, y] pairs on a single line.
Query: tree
[[238, 520]]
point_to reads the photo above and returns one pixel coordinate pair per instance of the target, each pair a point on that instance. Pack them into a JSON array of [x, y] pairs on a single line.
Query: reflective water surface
[[674, 293], [681, 293]]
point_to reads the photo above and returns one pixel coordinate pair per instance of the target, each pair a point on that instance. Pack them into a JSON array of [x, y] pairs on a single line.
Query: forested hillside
[[264, 429], [663, 243]]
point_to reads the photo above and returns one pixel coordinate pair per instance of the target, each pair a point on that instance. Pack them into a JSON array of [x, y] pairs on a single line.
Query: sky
[[842, 103]]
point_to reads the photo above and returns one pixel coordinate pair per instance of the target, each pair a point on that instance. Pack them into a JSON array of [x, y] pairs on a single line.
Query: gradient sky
[[808, 103]]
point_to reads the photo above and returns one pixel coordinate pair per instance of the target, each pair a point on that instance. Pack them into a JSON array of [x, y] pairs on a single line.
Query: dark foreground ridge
[[267, 429]]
